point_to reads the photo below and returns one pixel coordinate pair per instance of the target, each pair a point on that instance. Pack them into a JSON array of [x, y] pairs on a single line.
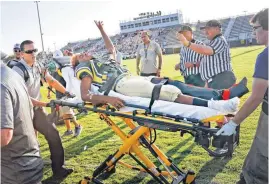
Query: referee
[[190, 60], [215, 67]]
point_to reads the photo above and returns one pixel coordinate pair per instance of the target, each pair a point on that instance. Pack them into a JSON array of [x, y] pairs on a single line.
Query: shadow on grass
[[211, 169], [50, 180], [90, 141], [175, 149], [82, 116], [80, 141], [77, 147], [138, 178]]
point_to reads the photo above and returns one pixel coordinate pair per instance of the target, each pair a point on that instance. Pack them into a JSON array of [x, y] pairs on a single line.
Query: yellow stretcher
[[142, 135]]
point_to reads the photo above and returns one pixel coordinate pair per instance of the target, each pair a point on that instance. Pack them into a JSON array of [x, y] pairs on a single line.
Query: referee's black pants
[[194, 80], [222, 80]]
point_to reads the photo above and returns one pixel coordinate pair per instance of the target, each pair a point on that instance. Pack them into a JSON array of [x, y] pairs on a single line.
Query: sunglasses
[[30, 51], [256, 27], [17, 50]]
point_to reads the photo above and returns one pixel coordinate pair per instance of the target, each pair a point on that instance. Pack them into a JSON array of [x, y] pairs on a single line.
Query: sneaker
[[67, 133], [62, 173], [225, 106], [78, 130]]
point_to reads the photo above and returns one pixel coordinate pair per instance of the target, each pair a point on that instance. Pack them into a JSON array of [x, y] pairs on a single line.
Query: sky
[[67, 21]]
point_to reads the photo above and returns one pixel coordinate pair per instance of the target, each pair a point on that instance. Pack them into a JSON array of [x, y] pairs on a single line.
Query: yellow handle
[[214, 118]]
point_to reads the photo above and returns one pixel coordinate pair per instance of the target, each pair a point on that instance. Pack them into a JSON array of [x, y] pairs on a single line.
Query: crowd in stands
[[127, 43]]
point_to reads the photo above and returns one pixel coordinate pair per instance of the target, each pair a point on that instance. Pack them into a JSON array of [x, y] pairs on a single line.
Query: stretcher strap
[[155, 94], [156, 91]]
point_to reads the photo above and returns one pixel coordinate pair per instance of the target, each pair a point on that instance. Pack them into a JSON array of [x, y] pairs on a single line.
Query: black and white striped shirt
[[188, 55], [219, 62]]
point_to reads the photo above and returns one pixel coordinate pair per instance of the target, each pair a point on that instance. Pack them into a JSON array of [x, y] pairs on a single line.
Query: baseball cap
[[185, 28], [211, 23], [16, 46]]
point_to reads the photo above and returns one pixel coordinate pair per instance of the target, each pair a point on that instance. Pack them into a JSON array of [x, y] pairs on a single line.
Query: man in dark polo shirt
[[215, 68], [189, 60], [20, 156], [255, 168]]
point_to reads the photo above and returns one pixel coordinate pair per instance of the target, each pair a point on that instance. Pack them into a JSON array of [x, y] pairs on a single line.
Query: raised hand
[[99, 24], [182, 39]]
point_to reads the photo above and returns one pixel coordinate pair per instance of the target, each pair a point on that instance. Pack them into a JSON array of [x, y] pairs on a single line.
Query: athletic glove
[[228, 129]]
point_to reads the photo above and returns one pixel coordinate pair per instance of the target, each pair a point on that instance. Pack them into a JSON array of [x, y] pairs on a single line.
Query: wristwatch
[[194, 65]]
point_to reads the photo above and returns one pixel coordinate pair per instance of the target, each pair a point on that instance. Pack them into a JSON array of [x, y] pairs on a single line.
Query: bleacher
[[127, 43], [241, 25]]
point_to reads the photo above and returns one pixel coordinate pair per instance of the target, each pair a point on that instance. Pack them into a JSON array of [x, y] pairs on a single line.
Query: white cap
[[57, 53]]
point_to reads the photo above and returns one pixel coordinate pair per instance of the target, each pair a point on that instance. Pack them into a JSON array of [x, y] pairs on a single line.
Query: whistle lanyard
[[146, 50]]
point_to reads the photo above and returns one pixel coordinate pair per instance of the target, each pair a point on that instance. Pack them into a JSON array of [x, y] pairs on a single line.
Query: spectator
[[147, 53], [190, 60], [17, 54], [41, 123], [215, 68], [68, 52], [20, 155], [255, 168], [118, 56]]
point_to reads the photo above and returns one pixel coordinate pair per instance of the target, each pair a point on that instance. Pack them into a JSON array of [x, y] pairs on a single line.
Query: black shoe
[[62, 173], [240, 89]]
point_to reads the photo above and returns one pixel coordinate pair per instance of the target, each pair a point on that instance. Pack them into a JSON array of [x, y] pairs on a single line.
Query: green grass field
[[97, 140]]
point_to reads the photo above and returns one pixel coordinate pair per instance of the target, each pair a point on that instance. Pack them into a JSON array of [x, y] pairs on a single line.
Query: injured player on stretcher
[[113, 80], [108, 75]]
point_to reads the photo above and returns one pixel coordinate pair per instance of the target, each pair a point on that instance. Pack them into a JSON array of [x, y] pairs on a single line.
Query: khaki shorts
[[63, 110], [142, 87], [66, 110]]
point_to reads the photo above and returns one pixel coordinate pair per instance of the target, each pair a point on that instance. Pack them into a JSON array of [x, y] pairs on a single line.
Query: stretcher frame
[[142, 135]]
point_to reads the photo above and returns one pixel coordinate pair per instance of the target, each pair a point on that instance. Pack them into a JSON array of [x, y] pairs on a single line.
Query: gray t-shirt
[[20, 159], [148, 56], [33, 83]]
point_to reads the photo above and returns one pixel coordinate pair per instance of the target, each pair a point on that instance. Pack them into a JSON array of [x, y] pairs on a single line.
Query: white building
[[151, 20]]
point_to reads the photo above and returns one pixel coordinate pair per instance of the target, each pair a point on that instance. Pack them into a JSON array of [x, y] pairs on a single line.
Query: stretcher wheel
[[190, 178], [107, 173]]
